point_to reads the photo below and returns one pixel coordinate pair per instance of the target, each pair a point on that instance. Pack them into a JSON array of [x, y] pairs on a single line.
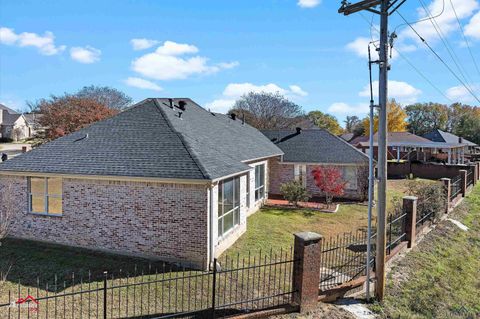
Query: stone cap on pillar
[[308, 237], [445, 179], [413, 198]]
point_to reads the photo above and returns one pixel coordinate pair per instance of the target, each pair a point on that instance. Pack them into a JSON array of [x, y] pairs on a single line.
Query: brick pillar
[[478, 171], [306, 271], [448, 192], [24, 149], [463, 182], [474, 168], [409, 227]]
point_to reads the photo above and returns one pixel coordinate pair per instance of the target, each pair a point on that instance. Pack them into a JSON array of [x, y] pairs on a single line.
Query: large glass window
[[228, 205], [45, 195], [259, 182]]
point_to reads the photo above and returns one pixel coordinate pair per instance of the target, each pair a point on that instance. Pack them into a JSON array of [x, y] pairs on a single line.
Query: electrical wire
[[411, 64], [447, 45], [439, 57], [465, 38], [423, 19]]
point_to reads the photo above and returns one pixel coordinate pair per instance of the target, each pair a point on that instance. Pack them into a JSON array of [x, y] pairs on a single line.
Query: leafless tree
[[268, 110], [7, 206]]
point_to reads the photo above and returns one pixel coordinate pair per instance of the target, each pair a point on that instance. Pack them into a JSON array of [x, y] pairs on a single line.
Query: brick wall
[[167, 221], [281, 173], [424, 170]]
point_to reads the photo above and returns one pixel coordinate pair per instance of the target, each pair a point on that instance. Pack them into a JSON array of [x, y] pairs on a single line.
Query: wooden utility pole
[[387, 7]]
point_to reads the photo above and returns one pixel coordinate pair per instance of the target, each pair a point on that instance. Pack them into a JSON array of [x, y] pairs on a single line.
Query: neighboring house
[[304, 150], [405, 146], [14, 125], [164, 179], [445, 137], [347, 136]]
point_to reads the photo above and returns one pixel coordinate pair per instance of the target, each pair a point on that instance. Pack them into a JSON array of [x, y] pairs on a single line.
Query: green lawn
[[440, 277], [273, 228]]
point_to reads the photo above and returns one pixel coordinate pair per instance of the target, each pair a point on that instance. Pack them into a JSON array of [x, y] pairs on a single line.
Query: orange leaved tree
[[330, 182], [67, 114]]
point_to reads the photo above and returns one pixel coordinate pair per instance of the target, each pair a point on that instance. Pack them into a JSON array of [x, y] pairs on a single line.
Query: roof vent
[[299, 130], [233, 116], [181, 105], [243, 119], [180, 114], [170, 101], [82, 138], [460, 140]]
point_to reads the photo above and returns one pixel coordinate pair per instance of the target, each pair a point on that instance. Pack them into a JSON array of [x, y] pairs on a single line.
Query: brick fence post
[[478, 170], [410, 209], [447, 182], [306, 271], [463, 182], [474, 168]]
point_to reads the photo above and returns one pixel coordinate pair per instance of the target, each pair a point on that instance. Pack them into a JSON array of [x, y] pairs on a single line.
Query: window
[[350, 176], [228, 205], [248, 190], [45, 195], [259, 182], [300, 173]]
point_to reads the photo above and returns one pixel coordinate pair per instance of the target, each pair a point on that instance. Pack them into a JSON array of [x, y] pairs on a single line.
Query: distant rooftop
[[445, 137]]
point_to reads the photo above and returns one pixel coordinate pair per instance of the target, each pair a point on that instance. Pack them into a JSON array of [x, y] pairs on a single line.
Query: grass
[[273, 228], [439, 278]]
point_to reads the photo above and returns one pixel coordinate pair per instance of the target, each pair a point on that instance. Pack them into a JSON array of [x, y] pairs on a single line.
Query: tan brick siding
[[167, 221]]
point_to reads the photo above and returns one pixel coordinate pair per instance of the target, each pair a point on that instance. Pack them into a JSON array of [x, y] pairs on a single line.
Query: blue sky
[[214, 51]]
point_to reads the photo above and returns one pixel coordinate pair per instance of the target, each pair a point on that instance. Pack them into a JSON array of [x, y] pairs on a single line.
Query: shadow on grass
[[29, 262]]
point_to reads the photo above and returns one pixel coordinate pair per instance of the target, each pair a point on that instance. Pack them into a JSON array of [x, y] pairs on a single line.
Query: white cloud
[[359, 46], [142, 44], [461, 94], [472, 29], [234, 91], [447, 20], [308, 3], [45, 44], [85, 55], [167, 63], [143, 84], [348, 109], [402, 92]]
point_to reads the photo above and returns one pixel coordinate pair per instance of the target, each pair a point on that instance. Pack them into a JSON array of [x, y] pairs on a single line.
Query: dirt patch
[[323, 311]]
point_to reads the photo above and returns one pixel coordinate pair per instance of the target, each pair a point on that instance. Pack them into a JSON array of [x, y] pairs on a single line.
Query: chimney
[[299, 130], [181, 105], [233, 116]]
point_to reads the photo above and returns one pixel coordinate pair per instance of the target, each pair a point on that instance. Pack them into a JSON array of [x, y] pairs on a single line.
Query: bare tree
[[268, 110], [7, 206], [108, 96]]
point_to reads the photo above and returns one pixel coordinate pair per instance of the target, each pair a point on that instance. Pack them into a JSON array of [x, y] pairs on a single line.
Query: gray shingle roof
[[315, 146], [9, 110], [445, 137], [151, 140]]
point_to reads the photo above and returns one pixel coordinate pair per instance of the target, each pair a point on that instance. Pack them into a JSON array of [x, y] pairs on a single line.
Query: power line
[[447, 45], [424, 19], [465, 38], [439, 57], [412, 65]]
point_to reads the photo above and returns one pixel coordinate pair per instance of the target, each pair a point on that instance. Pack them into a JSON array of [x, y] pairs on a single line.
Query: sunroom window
[[259, 182], [45, 195], [228, 205]]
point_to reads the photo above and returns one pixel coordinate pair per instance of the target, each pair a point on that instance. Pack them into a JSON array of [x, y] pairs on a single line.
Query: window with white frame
[[350, 176], [300, 173], [248, 190], [259, 182], [45, 195], [228, 205]]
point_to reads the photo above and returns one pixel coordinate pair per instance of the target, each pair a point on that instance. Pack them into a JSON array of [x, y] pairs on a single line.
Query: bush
[[431, 197], [5, 140], [294, 192]]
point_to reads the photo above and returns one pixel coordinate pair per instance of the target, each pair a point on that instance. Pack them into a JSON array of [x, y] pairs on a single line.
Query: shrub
[[431, 197], [294, 192]]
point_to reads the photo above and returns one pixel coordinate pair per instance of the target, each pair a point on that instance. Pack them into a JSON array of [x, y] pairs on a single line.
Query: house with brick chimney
[[165, 179], [306, 149]]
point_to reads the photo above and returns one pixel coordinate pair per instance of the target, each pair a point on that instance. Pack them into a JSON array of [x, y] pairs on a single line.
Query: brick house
[[164, 179], [304, 150]]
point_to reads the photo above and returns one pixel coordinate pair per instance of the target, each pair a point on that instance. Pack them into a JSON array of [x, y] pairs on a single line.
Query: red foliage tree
[[330, 182], [65, 115]]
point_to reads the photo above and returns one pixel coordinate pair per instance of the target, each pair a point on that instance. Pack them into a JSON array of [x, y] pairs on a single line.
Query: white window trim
[[45, 196], [300, 171], [264, 182], [232, 211]]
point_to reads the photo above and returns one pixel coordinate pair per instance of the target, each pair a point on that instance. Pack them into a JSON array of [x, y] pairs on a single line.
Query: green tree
[[351, 123], [325, 121], [425, 117], [464, 121]]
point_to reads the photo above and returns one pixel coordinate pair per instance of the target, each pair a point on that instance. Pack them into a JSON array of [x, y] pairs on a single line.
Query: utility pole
[[387, 7]]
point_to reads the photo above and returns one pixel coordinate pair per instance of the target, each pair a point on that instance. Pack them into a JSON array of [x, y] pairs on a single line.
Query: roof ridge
[[345, 142], [187, 146]]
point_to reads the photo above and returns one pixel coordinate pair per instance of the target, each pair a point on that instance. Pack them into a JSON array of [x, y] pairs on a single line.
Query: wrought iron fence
[[395, 230], [455, 187], [235, 286], [470, 177]]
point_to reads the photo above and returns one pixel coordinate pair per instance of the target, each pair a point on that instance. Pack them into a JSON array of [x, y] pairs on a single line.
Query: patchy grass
[[439, 278], [272, 228]]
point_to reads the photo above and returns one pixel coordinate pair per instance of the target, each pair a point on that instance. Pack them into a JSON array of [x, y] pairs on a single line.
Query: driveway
[[13, 149]]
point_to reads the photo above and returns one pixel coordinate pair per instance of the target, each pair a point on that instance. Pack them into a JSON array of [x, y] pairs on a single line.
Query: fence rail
[[456, 188], [470, 177], [235, 286]]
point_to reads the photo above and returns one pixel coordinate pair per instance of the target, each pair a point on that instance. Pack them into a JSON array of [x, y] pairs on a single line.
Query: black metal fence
[[455, 187], [395, 230], [235, 286], [470, 177]]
